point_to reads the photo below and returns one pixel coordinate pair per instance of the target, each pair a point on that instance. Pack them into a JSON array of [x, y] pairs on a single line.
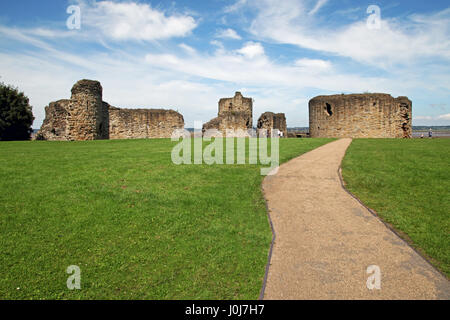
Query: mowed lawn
[[407, 182], [138, 226]]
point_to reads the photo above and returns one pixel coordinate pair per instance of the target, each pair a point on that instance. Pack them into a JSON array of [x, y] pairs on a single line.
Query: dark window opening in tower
[[329, 111]]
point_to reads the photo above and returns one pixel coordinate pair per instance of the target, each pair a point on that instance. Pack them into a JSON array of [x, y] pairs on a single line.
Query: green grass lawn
[[407, 182], [138, 226]]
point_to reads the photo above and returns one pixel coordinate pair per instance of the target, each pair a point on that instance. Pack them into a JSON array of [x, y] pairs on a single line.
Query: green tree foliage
[[16, 116]]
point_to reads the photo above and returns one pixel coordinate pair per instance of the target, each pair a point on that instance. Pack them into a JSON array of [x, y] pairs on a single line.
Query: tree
[[16, 116]]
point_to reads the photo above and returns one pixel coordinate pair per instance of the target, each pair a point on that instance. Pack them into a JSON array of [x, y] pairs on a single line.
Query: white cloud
[[228, 33], [187, 48], [319, 4], [444, 117], [235, 6], [49, 33], [251, 67], [397, 42], [313, 63], [423, 118], [252, 50], [134, 21], [436, 119]]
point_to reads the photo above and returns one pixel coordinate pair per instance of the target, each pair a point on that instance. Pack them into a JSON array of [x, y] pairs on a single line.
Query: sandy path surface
[[326, 240]]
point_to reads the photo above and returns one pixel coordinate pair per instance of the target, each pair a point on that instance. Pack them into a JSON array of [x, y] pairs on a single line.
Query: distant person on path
[[421, 137], [430, 133]]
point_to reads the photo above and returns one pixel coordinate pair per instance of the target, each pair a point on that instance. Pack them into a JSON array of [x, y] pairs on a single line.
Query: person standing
[[430, 133]]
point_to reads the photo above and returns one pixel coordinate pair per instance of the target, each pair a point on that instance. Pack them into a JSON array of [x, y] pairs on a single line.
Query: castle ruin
[[85, 116], [234, 114], [270, 122], [374, 115]]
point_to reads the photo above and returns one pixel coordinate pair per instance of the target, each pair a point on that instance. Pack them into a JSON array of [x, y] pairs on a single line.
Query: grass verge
[[138, 226], [407, 182]]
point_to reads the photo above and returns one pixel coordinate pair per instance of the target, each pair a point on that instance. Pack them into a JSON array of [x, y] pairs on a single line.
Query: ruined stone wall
[[83, 117], [55, 125], [229, 121], [234, 114], [360, 116], [143, 123], [87, 117], [270, 121]]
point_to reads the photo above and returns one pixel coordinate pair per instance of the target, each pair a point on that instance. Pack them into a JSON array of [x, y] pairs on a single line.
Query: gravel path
[[326, 240]]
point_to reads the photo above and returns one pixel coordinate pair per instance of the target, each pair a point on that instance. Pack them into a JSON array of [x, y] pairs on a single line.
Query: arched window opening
[[328, 110]]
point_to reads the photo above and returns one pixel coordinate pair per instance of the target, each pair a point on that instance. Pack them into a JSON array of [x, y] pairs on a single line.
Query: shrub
[[16, 116]]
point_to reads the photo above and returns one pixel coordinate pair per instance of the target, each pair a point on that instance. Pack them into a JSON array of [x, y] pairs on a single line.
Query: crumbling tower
[[87, 114], [235, 114], [237, 104]]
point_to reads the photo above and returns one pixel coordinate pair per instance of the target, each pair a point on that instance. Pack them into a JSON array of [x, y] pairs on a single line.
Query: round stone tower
[[375, 115], [88, 114]]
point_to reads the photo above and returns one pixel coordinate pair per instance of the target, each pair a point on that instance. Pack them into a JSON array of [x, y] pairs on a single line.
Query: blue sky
[[185, 55]]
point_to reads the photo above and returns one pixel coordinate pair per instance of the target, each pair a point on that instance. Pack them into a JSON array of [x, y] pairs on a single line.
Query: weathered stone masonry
[[360, 116], [87, 117], [270, 121], [234, 114], [143, 123]]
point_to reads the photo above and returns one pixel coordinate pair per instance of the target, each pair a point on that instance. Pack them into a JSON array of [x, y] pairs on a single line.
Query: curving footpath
[[325, 239]]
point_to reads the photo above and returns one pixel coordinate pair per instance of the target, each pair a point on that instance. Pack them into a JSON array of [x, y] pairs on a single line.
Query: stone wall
[[87, 117], [360, 116], [55, 125], [269, 121], [143, 123], [234, 114], [238, 104]]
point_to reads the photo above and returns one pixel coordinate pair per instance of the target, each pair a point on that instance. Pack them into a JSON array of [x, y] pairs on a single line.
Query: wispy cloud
[[235, 6], [319, 4], [397, 42], [444, 117], [228, 34], [316, 64], [187, 48]]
